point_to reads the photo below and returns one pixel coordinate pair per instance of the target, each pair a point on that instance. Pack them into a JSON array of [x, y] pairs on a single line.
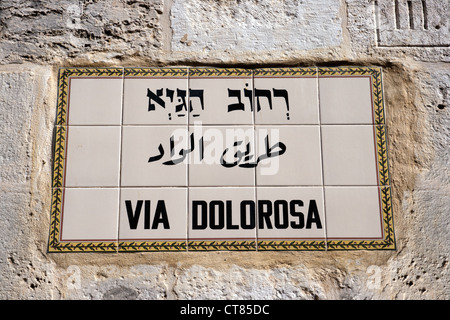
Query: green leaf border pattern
[[291, 245], [388, 243], [155, 72], [54, 244], [220, 72], [221, 245], [286, 72], [145, 246]]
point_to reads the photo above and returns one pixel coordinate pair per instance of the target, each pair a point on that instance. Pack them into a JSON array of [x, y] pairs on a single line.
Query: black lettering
[[248, 93], [147, 214], [133, 217], [284, 94], [238, 105], [263, 93], [251, 212], [216, 224], [230, 225], [169, 94], [264, 213], [160, 215], [181, 94], [284, 213], [198, 94], [313, 215], [196, 225], [301, 219], [155, 97]]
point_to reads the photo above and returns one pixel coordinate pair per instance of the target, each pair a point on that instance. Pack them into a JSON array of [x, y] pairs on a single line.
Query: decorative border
[[59, 156], [377, 85], [291, 245], [382, 156], [73, 246], [146, 246], [63, 90], [220, 72], [55, 245], [222, 245], [388, 243], [155, 72], [378, 112], [286, 72]]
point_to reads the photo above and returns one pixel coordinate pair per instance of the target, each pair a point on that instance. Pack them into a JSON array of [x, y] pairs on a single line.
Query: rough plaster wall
[[265, 26], [38, 37]]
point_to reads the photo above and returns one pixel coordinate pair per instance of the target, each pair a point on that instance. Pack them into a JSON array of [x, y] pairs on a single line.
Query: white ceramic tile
[[223, 160], [345, 100], [286, 100], [148, 214], [155, 100], [221, 100], [349, 155], [90, 214], [353, 213], [290, 213], [222, 213], [95, 101], [299, 157], [92, 156], [150, 159]]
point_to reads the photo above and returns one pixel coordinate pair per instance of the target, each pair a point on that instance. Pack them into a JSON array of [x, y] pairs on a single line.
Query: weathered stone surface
[[49, 30], [21, 92], [17, 101], [421, 270], [255, 26], [367, 29], [413, 23], [278, 283]]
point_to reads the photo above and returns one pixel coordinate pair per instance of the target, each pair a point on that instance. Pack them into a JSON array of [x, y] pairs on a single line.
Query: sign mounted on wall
[[176, 159]]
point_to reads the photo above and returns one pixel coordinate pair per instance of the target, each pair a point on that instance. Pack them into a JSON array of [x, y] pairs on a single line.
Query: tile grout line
[[227, 186], [255, 192], [120, 158], [321, 158], [227, 125], [188, 159]]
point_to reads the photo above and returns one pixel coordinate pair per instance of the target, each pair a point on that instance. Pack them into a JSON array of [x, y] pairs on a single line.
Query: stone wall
[[410, 43]]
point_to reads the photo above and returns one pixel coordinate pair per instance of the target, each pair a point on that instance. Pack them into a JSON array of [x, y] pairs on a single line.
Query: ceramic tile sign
[[194, 159]]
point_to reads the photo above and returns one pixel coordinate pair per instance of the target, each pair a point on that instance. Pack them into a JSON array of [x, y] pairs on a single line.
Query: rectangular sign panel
[[176, 159]]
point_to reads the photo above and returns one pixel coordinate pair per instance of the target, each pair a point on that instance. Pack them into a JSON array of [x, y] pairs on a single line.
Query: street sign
[[194, 159]]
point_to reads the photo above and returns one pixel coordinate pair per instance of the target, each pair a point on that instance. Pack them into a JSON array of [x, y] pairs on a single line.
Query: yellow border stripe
[[286, 72], [156, 72], [222, 245], [219, 72], [291, 245], [145, 246], [58, 164]]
